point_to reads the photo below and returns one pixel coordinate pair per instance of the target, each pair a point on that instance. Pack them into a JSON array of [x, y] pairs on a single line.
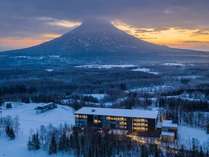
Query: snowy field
[[173, 64], [29, 57], [95, 66], [30, 121], [133, 67], [153, 89], [146, 70], [49, 70], [97, 96], [187, 134]]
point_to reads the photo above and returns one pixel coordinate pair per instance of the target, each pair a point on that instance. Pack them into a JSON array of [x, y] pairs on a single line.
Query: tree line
[[92, 142]]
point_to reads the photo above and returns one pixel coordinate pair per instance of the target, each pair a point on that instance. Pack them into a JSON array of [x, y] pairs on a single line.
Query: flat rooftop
[[165, 133], [133, 113], [169, 124]]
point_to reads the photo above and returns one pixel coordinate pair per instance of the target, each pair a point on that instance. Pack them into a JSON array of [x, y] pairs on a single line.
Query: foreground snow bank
[[188, 135], [29, 120]]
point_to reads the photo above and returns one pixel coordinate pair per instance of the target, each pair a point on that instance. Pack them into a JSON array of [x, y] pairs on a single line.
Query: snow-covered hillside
[[187, 135], [30, 121]]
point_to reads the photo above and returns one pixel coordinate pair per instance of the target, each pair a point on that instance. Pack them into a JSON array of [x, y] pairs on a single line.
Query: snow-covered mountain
[[100, 42]]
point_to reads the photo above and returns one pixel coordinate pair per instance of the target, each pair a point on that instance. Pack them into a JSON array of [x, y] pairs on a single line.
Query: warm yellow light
[[116, 118], [172, 36], [80, 116], [51, 35], [97, 121], [27, 41]]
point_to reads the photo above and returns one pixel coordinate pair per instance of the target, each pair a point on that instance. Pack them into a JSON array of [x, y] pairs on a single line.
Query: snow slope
[[29, 121], [187, 134]]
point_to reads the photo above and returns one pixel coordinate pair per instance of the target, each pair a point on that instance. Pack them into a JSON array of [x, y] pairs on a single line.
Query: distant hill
[[100, 42]]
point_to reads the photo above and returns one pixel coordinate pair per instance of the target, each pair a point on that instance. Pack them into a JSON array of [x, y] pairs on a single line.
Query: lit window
[[122, 123], [139, 120], [97, 121], [80, 116], [115, 118], [140, 128]]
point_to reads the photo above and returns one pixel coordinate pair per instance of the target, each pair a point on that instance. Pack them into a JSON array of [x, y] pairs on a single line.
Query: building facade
[[168, 131], [117, 119]]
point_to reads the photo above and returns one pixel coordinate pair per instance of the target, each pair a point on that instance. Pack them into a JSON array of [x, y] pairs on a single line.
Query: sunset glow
[[26, 42], [171, 36], [189, 38]]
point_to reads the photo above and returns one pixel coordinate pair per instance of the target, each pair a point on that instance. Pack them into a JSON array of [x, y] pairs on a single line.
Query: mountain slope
[[101, 42]]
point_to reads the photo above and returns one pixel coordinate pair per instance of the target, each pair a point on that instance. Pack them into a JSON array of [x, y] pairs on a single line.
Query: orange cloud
[[19, 43], [51, 36], [26, 42], [173, 36]]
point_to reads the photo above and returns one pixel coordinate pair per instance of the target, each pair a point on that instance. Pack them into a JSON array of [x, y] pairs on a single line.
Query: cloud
[[59, 22], [14, 43], [64, 23], [172, 36], [51, 36]]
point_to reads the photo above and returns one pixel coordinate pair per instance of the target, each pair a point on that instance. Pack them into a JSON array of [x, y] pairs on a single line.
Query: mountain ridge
[[103, 41]]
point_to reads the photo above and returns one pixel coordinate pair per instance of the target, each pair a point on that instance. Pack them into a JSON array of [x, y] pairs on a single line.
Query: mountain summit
[[99, 41]]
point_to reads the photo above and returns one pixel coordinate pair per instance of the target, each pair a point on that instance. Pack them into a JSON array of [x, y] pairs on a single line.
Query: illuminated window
[[122, 123], [140, 128], [140, 120], [140, 124], [111, 118], [97, 121], [80, 116]]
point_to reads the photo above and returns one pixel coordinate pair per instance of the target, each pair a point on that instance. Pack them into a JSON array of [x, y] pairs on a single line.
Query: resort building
[[130, 120], [168, 131]]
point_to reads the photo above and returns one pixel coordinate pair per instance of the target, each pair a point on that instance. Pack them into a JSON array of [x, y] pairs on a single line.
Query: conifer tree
[[10, 132], [53, 145], [34, 143]]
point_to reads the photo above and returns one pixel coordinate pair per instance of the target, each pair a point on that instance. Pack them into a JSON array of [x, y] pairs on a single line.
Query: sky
[[175, 23]]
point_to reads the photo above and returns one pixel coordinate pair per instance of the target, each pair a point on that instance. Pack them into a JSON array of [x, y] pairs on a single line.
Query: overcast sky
[[28, 22]]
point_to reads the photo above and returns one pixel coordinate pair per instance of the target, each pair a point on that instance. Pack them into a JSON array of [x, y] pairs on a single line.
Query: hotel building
[[130, 120]]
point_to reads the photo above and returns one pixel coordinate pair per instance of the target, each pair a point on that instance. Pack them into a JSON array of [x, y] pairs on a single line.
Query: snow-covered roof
[[137, 113], [165, 133], [169, 124]]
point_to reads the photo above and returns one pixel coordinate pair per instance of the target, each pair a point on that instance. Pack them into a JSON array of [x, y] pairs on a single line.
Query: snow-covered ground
[[29, 57], [97, 96], [147, 70], [189, 77], [187, 134], [29, 120], [108, 66], [54, 56], [173, 64], [49, 70], [153, 89]]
